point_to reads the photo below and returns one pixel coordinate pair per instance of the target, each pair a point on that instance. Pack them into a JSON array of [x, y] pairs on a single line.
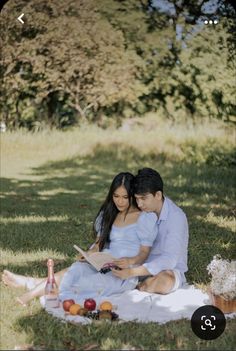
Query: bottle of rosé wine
[[51, 288]]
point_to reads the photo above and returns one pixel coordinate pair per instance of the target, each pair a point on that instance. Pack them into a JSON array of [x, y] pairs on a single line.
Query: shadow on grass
[[58, 210], [57, 335], [56, 207], [78, 337]]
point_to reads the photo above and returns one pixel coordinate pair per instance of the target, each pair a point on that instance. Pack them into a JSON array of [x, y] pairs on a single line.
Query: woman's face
[[121, 199]]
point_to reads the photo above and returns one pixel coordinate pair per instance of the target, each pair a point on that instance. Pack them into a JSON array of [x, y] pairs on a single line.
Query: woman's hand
[[81, 258], [122, 274], [92, 249], [123, 262]]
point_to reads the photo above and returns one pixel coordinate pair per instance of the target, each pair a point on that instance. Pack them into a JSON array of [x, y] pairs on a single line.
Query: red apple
[[90, 304], [67, 303]]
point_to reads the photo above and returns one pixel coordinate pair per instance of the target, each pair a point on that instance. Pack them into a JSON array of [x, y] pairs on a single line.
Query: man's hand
[[123, 262], [123, 274]]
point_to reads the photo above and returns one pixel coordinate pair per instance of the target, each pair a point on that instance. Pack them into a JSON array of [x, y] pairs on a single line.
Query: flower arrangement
[[223, 280]]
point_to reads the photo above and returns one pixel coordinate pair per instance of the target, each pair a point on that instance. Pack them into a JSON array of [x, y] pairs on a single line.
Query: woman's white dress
[[82, 281]]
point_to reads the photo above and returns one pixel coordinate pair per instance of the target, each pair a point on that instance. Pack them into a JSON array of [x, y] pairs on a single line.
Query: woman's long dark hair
[[109, 211]]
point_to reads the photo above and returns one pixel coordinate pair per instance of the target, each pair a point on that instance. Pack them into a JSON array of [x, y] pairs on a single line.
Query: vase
[[226, 306]]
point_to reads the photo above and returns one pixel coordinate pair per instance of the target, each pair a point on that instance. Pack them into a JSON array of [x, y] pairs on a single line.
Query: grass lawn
[[52, 186]]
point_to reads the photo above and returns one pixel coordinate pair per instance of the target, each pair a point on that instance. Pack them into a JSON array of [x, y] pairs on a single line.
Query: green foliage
[[212, 153], [63, 63], [78, 60], [205, 81]]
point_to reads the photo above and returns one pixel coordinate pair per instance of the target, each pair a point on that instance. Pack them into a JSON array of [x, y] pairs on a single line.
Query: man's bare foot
[[18, 281]]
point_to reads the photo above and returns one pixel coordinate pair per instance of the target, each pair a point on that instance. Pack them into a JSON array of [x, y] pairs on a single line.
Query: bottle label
[[51, 301]]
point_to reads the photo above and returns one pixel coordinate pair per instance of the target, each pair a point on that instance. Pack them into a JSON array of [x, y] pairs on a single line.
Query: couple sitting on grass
[[142, 229]]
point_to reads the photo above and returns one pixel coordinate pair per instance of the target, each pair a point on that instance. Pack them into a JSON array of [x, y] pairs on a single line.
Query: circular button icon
[[208, 322]]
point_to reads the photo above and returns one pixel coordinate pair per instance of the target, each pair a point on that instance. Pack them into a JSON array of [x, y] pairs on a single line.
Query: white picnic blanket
[[144, 307]]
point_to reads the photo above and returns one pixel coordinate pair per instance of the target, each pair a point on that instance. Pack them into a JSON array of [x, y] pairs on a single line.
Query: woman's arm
[[95, 246], [126, 262]]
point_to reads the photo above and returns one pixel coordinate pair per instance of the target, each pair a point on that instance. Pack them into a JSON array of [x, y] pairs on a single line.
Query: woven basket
[[226, 306]]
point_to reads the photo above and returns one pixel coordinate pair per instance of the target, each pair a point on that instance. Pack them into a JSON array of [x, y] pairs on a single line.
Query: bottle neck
[[50, 272]]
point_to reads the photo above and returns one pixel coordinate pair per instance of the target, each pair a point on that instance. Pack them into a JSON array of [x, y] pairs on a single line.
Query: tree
[[79, 59], [68, 54]]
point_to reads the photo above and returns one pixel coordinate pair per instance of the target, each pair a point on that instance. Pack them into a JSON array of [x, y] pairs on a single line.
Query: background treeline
[[81, 60]]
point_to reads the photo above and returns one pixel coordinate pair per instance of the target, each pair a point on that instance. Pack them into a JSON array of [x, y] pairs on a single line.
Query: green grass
[[52, 186]]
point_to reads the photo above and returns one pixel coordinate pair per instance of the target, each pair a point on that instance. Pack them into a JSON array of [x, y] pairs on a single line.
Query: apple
[[67, 303], [90, 304]]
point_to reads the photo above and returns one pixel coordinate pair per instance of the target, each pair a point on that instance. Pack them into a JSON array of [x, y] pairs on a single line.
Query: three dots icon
[[211, 21]]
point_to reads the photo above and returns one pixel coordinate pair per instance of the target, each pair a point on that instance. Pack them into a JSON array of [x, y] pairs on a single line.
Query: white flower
[[223, 274]]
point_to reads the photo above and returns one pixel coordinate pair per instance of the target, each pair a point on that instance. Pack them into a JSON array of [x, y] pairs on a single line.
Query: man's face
[[148, 202]]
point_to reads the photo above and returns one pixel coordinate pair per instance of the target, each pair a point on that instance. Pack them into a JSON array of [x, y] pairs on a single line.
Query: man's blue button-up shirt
[[170, 249]]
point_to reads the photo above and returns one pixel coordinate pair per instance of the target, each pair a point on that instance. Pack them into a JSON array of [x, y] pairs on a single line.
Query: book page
[[96, 259]]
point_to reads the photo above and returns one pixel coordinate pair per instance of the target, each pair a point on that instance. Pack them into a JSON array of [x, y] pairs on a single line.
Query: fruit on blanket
[[67, 303], [82, 311], [105, 315], [93, 315], [114, 316], [74, 309], [106, 306], [90, 304]]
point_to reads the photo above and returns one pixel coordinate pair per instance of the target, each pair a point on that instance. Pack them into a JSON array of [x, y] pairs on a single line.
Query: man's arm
[[126, 262], [174, 248], [176, 243], [147, 233], [131, 272]]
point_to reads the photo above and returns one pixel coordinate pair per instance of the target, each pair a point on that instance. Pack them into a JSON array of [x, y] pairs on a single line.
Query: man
[[163, 272]]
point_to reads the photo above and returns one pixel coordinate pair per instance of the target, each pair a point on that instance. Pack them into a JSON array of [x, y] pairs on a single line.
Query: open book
[[97, 259]]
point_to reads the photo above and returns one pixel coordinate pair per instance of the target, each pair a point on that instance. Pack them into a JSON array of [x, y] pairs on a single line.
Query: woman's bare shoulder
[[134, 213]]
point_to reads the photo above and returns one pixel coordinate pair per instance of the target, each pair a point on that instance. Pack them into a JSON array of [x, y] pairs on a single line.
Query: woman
[[122, 230]]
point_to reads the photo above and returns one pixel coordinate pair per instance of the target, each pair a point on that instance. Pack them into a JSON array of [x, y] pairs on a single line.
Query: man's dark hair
[[148, 181]]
